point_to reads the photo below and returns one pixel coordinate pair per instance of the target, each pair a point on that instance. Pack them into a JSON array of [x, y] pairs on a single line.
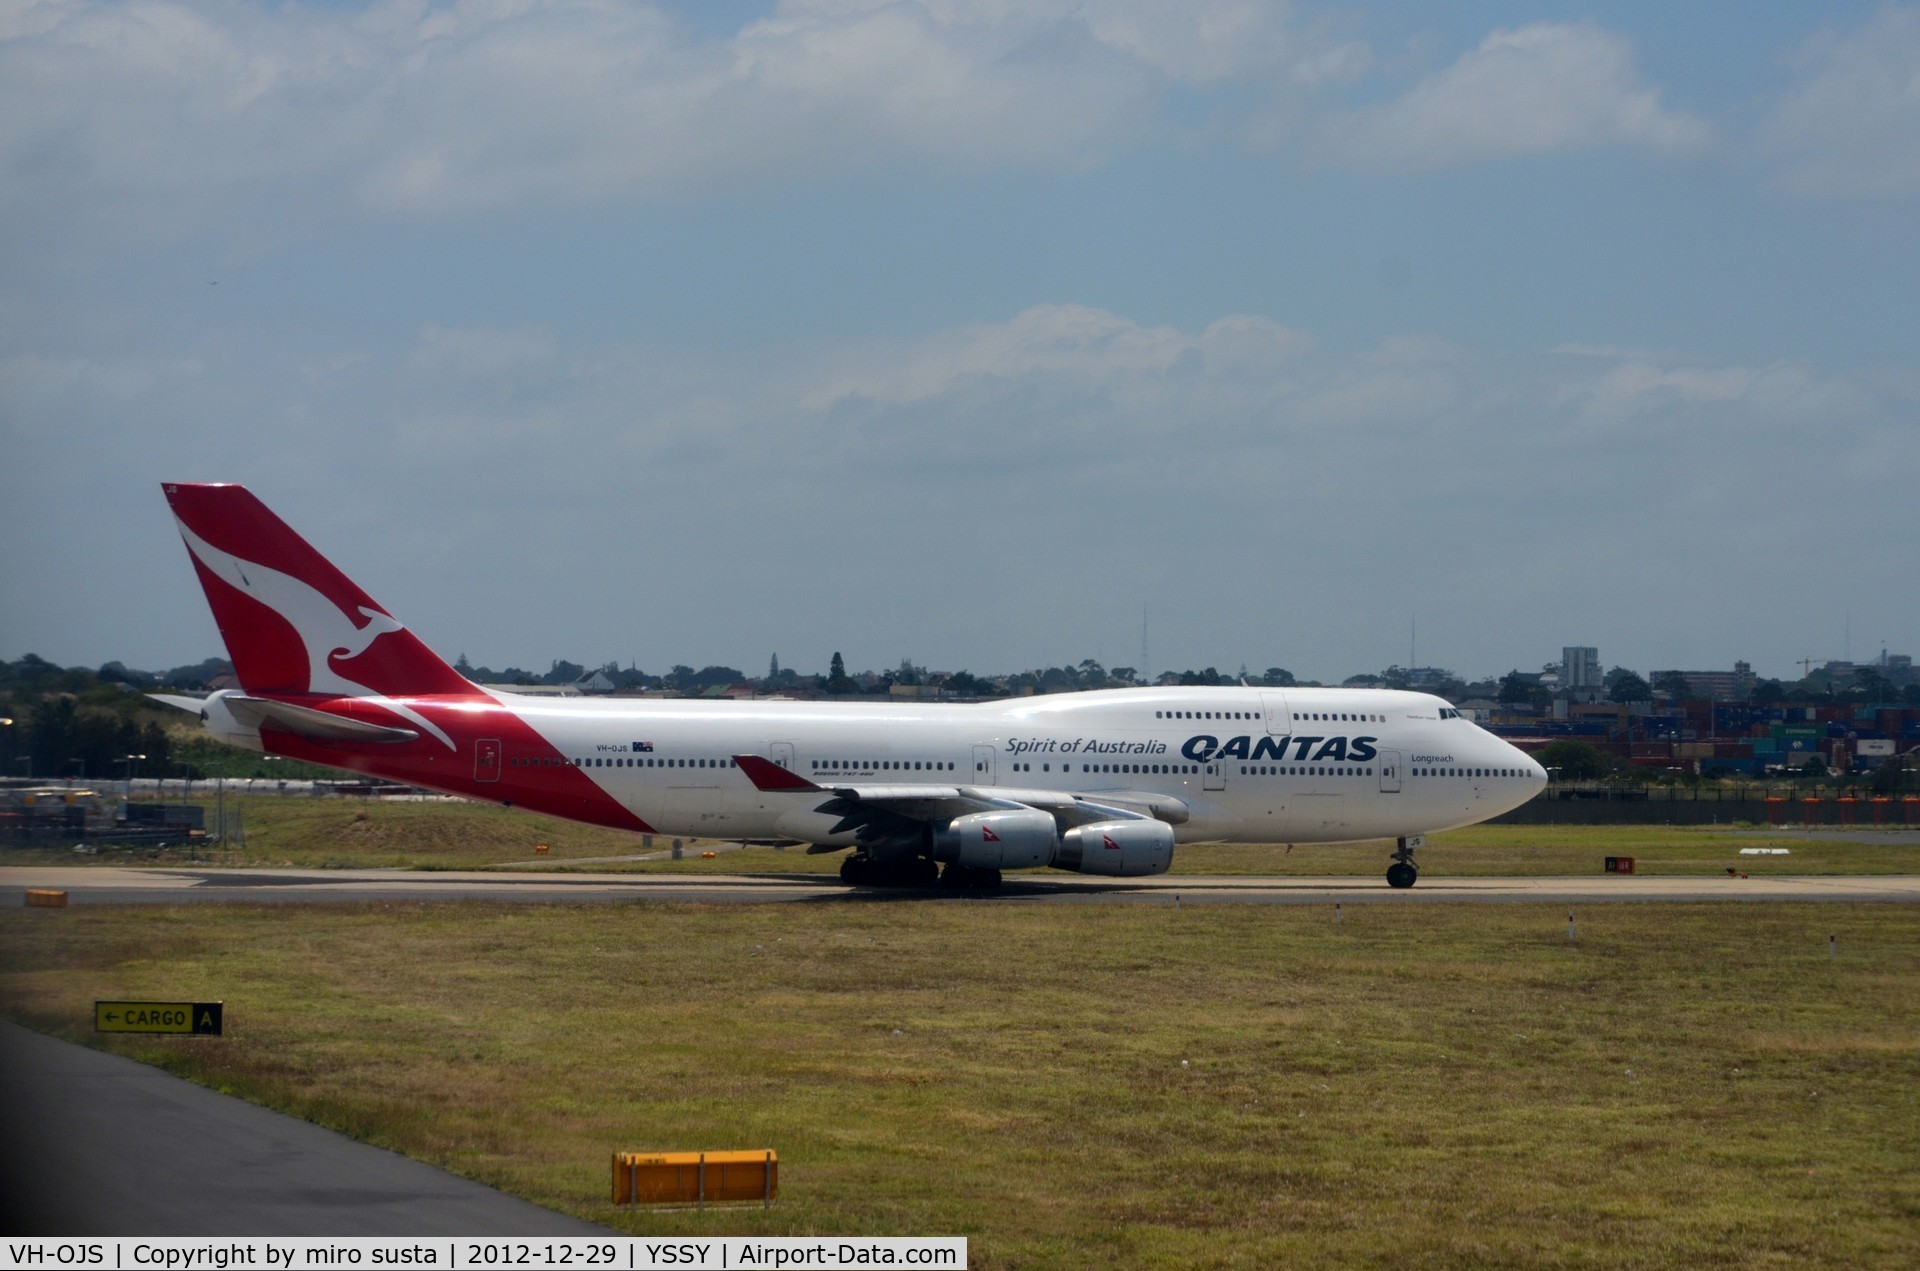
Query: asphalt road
[[110, 885], [92, 1144]]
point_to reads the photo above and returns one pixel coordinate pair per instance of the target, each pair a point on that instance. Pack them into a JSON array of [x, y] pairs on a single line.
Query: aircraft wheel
[[1402, 875], [962, 878], [857, 871]]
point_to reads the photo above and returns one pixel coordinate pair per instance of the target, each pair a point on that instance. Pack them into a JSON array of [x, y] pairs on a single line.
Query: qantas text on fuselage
[[1106, 782]]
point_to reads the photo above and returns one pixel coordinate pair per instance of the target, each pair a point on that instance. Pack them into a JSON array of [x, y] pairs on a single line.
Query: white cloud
[[1056, 465], [1532, 90], [1852, 126], [470, 353], [149, 112]]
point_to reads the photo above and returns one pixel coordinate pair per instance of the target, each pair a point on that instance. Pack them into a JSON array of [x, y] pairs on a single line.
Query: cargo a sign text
[[157, 1017]]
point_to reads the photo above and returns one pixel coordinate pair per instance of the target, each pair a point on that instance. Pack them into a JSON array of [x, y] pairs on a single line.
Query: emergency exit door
[[1389, 772], [486, 759]]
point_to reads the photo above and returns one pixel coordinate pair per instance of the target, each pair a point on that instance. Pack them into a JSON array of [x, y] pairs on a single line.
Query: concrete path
[[92, 1144]]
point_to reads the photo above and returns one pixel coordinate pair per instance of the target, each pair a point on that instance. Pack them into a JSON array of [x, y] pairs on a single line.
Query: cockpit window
[[1447, 712]]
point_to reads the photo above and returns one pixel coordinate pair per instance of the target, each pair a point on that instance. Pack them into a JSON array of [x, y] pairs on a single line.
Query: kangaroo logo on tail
[[330, 633], [327, 632]]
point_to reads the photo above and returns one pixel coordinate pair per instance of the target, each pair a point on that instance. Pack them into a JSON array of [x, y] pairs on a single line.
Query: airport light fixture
[[130, 760]]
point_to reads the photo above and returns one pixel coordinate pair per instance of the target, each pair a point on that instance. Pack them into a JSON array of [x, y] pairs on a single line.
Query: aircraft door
[[983, 765], [1389, 772], [1279, 720], [1213, 775], [781, 753], [486, 760]]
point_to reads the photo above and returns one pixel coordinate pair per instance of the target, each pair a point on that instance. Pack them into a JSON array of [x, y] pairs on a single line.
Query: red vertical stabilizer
[[291, 621]]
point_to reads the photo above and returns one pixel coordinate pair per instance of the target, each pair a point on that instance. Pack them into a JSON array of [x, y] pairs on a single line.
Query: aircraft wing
[[891, 818]]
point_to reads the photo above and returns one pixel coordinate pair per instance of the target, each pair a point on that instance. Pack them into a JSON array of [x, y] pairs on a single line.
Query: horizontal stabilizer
[[304, 721], [180, 701]]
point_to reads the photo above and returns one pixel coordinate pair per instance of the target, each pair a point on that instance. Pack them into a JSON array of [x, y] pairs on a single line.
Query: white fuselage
[[1250, 765]]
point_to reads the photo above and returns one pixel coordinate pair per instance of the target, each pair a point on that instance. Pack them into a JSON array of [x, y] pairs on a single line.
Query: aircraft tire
[[1401, 875], [864, 871], [964, 878]]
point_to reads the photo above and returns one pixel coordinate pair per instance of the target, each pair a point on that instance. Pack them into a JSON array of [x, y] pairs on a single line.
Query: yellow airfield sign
[[157, 1017]]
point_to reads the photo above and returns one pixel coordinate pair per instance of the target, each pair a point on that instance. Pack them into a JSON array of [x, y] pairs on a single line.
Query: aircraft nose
[[1529, 768]]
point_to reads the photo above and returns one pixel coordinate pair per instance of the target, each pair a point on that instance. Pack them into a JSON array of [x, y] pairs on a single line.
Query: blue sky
[[966, 331]]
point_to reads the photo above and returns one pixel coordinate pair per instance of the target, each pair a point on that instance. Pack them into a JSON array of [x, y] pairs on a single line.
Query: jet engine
[[1124, 848], [1018, 838]]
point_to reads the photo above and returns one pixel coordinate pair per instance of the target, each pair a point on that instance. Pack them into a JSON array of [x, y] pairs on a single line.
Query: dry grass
[[1071, 1085]]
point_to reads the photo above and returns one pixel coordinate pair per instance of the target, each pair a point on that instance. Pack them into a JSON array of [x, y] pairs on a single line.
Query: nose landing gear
[[1403, 873]]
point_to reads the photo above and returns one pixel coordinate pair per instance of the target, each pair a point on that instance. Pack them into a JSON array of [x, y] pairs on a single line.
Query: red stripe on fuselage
[[549, 783]]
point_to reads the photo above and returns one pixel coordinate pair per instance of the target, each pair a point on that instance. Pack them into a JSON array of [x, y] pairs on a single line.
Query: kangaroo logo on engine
[[1204, 747]]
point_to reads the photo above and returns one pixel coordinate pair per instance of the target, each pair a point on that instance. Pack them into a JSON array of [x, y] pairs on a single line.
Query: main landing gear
[[1403, 873], [862, 870], [958, 877]]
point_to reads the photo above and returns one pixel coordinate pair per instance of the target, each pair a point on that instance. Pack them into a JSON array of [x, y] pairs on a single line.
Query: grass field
[[1078, 1085], [339, 833]]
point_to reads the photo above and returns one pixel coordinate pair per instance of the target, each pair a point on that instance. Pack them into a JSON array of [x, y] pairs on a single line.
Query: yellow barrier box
[[695, 1178], [46, 899]]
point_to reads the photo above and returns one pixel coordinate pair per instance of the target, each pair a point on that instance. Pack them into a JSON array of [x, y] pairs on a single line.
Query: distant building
[[1580, 668], [1718, 686], [594, 682]]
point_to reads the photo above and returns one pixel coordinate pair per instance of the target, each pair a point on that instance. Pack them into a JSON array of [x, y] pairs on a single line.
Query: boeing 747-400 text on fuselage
[[1100, 783]]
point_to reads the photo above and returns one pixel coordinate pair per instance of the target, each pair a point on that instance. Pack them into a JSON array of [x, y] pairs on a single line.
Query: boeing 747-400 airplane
[[1100, 783]]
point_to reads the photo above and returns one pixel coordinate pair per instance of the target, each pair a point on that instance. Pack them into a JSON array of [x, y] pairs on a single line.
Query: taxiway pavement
[[97, 1145], [112, 885]]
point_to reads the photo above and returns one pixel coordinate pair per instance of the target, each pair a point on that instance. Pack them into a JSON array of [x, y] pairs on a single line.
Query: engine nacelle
[[1015, 839], [1124, 848]]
